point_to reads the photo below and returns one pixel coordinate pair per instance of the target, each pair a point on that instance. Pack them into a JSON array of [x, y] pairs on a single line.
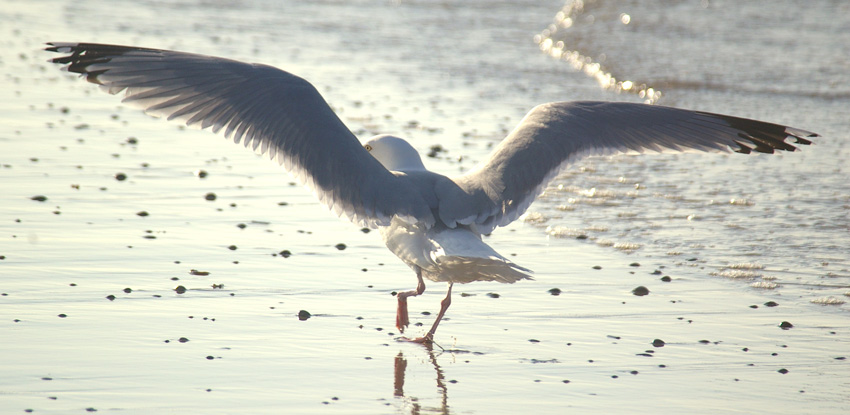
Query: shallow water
[[732, 232]]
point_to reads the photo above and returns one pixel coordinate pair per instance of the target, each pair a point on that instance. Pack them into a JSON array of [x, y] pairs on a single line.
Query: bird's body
[[430, 221]]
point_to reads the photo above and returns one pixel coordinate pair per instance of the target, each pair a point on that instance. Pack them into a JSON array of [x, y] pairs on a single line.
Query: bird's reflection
[[400, 365]]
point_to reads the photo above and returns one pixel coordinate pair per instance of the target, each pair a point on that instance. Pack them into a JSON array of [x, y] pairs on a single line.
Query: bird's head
[[394, 153]]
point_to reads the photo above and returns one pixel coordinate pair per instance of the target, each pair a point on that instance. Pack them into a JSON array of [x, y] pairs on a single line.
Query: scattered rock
[[180, 289], [142, 213], [210, 196], [435, 150], [304, 315], [640, 291], [120, 177], [493, 295], [39, 198], [285, 253], [658, 343], [340, 246], [783, 371], [785, 325], [555, 291], [666, 278]]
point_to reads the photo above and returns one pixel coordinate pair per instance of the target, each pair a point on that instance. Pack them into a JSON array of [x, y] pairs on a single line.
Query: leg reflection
[[400, 366]]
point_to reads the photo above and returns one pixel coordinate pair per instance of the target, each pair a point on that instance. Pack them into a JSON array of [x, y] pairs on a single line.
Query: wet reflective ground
[[731, 249]]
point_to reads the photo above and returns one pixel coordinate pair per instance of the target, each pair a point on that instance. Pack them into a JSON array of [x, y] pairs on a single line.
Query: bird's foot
[[426, 339], [401, 317]]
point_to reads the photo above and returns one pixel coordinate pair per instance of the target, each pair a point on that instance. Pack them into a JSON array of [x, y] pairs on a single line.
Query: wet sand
[[167, 270]]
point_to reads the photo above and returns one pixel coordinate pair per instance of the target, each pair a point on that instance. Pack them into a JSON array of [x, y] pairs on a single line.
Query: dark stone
[[640, 291], [304, 315]]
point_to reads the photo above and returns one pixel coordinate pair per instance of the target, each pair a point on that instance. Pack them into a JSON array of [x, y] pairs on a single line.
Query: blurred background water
[[747, 241]]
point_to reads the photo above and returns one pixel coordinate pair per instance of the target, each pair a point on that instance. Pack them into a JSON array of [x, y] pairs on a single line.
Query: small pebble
[[39, 198], [142, 213], [210, 196], [180, 289], [783, 371], [640, 291], [340, 246], [304, 315], [658, 343], [493, 295], [785, 325], [285, 253], [120, 177], [555, 291]]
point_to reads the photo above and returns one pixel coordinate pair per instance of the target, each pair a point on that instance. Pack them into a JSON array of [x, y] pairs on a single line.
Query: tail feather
[[463, 269]]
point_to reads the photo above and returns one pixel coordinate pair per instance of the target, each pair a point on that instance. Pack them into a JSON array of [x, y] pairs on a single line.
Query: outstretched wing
[[553, 135], [269, 110]]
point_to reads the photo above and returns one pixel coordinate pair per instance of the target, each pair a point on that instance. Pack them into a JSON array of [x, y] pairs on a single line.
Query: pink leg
[[444, 305], [401, 318]]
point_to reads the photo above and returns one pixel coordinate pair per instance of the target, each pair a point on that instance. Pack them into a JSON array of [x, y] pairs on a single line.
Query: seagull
[[432, 222]]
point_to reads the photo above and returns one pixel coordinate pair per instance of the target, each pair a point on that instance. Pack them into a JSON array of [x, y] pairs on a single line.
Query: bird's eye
[[368, 147]]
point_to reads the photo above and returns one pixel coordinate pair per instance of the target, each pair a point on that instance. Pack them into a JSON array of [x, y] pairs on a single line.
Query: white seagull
[[430, 221]]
